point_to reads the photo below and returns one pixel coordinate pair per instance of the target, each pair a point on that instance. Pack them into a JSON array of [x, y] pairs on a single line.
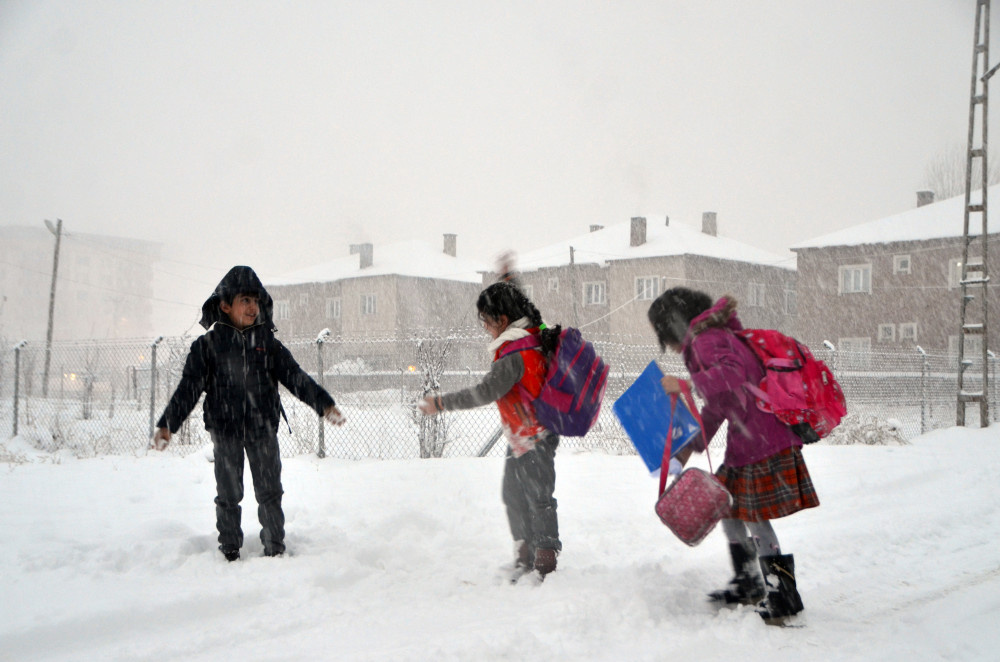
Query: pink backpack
[[797, 387]]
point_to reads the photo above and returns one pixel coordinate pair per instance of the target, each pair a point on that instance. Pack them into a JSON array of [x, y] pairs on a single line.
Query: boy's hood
[[239, 280]]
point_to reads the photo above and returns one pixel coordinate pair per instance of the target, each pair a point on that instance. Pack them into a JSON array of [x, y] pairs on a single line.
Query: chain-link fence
[[104, 397]]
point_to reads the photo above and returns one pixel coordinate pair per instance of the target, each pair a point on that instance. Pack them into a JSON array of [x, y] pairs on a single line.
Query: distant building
[[104, 288], [380, 291], [606, 279], [894, 282]]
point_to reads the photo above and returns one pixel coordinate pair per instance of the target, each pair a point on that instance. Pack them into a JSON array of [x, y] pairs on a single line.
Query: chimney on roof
[[638, 234], [924, 198], [708, 223], [595, 228], [365, 251], [451, 244]]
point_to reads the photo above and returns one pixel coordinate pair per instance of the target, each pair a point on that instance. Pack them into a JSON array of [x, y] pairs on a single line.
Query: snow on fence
[[103, 397]]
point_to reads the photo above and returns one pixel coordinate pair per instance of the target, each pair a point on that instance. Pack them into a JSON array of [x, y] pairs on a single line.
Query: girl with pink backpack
[[763, 467]]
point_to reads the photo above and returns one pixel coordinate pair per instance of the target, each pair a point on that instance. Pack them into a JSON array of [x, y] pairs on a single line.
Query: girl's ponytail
[[548, 338]]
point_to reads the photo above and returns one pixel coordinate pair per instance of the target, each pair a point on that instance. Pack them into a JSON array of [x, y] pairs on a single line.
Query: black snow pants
[[265, 469], [529, 482]]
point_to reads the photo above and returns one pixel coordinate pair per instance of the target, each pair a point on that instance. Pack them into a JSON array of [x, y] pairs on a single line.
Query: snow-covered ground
[[115, 558]]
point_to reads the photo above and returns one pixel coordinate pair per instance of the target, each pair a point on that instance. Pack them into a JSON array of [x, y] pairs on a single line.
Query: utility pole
[[572, 279], [57, 231], [975, 278]]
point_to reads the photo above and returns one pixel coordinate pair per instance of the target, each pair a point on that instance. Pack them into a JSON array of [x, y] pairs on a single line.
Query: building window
[[856, 278], [954, 273], [886, 332], [303, 299], [367, 304], [594, 294], [973, 271], [755, 294], [333, 308], [973, 346], [791, 303], [553, 285], [908, 331], [647, 288], [281, 310], [900, 264]]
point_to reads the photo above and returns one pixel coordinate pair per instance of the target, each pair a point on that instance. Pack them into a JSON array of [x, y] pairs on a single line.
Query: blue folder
[[644, 411]]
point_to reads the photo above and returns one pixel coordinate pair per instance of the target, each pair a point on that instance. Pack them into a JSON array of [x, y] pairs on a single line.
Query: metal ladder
[[974, 275]]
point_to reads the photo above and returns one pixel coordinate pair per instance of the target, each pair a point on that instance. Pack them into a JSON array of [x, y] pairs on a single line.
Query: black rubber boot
[[747, 586], [783, 598]]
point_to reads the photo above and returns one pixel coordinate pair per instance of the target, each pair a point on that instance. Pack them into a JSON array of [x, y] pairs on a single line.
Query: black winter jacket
[[239, 371]]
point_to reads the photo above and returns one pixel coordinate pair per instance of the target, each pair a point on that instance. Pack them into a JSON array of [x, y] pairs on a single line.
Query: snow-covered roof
[[938, 220], [613, 243], [415, 258]]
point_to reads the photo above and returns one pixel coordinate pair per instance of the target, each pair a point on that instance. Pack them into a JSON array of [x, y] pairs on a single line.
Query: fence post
[[993, 379], [321, 446], [152, 384], [924, 369], [17, 379]]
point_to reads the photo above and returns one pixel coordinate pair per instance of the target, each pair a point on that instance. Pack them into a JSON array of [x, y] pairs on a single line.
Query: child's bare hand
[[428, 406], [333, 416], [671, 384], [160, 440]]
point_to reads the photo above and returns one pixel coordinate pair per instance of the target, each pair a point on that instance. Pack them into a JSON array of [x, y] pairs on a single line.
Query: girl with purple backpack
[[515, 378], [763, 467]]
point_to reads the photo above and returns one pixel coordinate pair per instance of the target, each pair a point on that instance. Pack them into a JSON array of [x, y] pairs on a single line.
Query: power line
[[65, 279]]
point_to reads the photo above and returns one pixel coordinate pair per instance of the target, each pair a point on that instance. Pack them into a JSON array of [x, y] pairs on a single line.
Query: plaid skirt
[[774, 487]]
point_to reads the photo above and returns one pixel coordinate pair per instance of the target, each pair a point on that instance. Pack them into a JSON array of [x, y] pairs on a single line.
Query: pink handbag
[[697, 500]]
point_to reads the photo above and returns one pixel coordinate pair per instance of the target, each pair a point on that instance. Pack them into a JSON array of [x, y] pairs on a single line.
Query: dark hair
[[503, 299], [230, 297], [671, 314]]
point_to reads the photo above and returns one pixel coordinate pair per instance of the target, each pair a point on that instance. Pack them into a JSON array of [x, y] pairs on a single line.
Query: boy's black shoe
[[274, 552], [230, 554]]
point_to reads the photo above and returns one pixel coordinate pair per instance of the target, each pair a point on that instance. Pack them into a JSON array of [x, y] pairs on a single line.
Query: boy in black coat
[[238, 365]]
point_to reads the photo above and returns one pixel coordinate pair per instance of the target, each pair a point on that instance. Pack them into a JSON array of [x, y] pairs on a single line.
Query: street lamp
[[57, 231]]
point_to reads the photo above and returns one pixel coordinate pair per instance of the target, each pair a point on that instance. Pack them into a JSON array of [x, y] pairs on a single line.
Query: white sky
[[275, 134]]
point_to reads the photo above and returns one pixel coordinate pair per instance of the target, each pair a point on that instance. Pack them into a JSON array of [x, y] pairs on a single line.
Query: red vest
[[517, 415]]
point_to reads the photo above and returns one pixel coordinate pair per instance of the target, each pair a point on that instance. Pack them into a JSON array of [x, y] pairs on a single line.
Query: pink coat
[[720, 364]]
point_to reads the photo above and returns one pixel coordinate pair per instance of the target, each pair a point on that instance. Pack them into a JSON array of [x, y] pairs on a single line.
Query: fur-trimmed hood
[[721, 315]]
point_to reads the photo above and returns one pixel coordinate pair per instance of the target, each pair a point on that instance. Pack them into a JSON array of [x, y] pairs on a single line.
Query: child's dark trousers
[[265, 469], [529, 483]]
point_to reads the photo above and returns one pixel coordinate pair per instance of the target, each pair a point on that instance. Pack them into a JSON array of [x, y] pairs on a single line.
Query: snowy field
[[114, 558]]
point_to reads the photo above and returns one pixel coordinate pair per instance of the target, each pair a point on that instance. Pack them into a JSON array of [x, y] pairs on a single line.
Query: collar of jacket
[[243, 330], [515, 330]]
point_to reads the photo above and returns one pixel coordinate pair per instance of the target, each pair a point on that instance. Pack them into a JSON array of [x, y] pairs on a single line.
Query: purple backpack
[[573, 390]]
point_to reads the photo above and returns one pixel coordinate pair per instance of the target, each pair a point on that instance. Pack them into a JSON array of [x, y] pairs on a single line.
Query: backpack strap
[[530, 341]]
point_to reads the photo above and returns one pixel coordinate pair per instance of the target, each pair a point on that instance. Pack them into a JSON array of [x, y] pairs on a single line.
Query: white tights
[[761, 534]]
